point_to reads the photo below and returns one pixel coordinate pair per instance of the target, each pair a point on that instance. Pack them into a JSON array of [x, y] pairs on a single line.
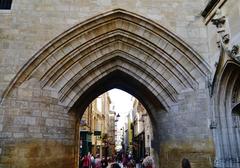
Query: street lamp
[[116, 120], [123, 143], [117, 117]]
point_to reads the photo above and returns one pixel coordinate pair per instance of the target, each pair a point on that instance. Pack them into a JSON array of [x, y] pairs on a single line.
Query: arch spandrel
[[158, 42]]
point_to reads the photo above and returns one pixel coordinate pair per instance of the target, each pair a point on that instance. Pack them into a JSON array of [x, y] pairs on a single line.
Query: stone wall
[[184, 132], [31, 24], [33, 118], [225, 123], [35, 130], [231, 10]]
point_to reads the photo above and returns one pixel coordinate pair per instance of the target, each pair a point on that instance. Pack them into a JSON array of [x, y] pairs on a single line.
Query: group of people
[[121, 161], [148, 162], [89, 161], [127, 161]]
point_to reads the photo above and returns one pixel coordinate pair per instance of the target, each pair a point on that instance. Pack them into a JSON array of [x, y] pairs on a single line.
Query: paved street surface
[[110, 164]]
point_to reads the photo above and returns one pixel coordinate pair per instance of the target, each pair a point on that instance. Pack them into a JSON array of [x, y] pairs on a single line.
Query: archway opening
[[116, 49], [145, 97], [115, 128]]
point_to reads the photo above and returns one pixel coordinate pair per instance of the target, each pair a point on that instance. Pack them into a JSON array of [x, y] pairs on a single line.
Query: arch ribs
[[145, 49]]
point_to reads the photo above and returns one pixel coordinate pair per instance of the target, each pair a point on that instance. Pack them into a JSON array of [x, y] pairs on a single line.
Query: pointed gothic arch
[[128, 51], [71, 54], [226, 103]]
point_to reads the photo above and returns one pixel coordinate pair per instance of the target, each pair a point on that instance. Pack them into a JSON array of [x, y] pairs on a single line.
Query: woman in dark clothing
[[115, 165], [185, 163], [104, 163]]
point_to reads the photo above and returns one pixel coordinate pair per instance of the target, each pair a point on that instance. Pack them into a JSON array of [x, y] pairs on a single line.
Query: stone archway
[[226, 115], [115, 49]]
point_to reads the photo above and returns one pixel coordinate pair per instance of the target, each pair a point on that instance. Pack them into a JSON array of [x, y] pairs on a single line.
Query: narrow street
[[107, 130]]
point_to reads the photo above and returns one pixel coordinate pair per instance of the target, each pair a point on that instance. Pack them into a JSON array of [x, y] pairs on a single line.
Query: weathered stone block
[[52, 122], [18, 135], [200, 156], [39, 154]]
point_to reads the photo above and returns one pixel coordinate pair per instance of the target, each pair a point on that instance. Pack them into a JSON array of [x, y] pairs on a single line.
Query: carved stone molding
[[219, 20], [234, 53], [211, 8]]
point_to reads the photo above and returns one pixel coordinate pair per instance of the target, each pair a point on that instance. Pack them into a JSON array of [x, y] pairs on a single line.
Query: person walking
[[86, 161], [186, 163], [148, 162], [92, 161], [115, 165], [104, 162], [124, 160], [98, 163]]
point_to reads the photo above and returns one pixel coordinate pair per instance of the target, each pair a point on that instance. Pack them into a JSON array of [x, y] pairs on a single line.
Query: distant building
[[142, 131], [112, 133], [94, 127]]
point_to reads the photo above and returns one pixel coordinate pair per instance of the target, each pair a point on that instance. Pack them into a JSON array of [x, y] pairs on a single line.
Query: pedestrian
[[80, 162], [119, 157], [124, 160], [92, 161], [186, 163], [86, 161], [115, 165], [104, 162], [98, 163], [148, 161], [131, 164]]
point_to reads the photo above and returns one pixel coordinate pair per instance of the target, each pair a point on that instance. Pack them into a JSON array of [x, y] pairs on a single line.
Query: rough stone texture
[[36, 131], [231, 10], [184, 132], [225, 90], [37, 153], [226, 132], [36, 106], [152, 64], [173, 152], [32, 24]]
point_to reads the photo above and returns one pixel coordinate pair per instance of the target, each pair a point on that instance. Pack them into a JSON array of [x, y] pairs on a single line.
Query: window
[[211, 9], [5, 4], [99, 104]]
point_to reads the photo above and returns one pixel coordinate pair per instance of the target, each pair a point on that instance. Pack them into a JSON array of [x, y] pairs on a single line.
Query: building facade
[[142, 132], [179, 58], [112, 133], [95, 126]]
